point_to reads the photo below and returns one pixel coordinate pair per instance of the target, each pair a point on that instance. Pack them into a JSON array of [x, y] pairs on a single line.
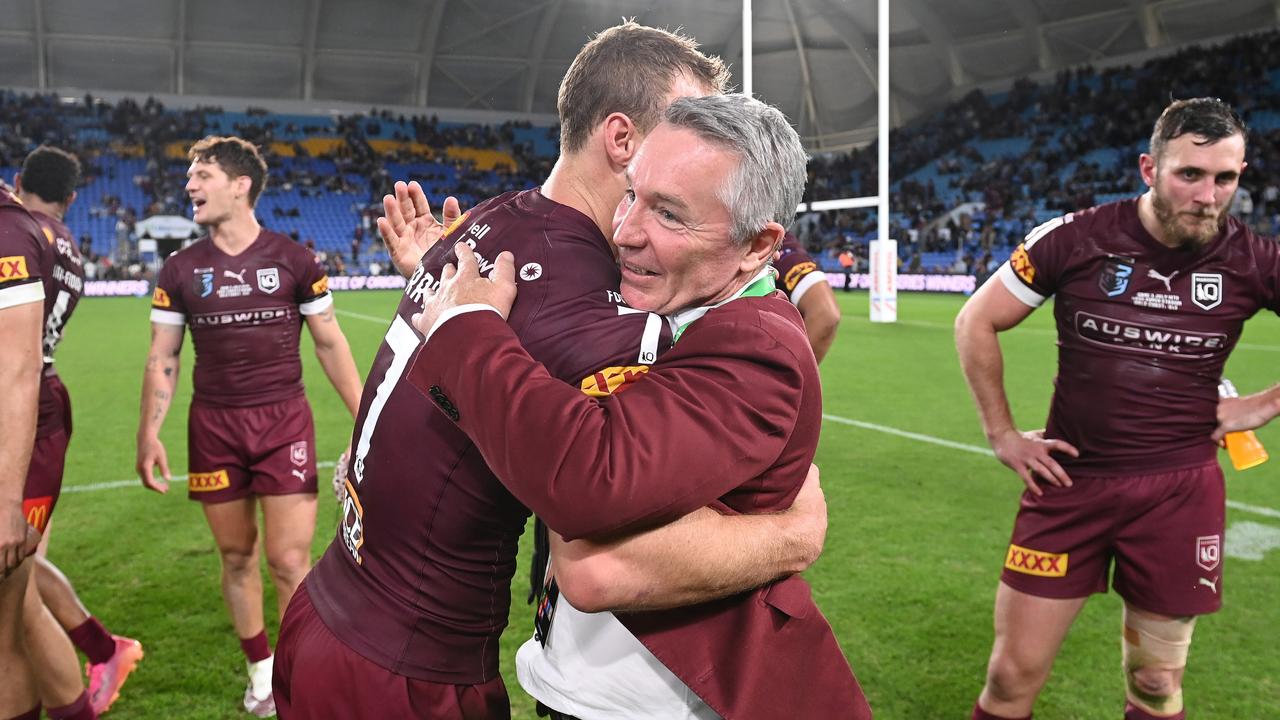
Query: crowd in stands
[[969, 181]]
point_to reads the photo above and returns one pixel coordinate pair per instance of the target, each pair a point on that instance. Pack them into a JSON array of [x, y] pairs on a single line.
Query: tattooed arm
[[159, 382]]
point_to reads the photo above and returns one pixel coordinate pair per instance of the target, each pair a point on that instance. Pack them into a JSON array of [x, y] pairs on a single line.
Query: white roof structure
[[815, 59]]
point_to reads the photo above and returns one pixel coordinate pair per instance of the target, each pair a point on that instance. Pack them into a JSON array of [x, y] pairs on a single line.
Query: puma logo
[[1166, 280], [302, 478], [1211, 584], [238, 276]]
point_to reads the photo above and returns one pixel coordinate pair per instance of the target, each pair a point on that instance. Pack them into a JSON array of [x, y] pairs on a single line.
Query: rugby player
[[403, 614], [806, 286], [739, 390], [46, 187], [245, 293], [41, 279], [1151, 295]]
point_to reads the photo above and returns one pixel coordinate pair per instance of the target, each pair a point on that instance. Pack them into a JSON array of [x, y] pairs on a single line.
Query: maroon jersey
[[1143, 332], [245, 312], [417, 579], [797, 272], [38, 261]]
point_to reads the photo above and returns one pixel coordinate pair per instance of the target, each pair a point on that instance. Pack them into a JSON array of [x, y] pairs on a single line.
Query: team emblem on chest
[[202, 283], [1206, 290], [269, 280], [1114, 279]]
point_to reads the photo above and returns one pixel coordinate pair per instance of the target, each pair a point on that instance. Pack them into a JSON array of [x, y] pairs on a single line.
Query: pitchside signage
[[912, 283], [141, 288]]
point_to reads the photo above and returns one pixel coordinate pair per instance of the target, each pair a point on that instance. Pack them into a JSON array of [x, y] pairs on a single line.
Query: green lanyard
[[760, 287]]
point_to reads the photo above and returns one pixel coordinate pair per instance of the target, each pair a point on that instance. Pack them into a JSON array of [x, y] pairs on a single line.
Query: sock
[[32, 714], [980, 714], [93, 640], [78, 710], [256, 648], [1133, 712]]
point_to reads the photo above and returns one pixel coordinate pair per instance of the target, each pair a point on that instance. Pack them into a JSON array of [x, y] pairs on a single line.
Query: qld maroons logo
[[1208, 552], [269, 280], [1206, 290], [298, 453]]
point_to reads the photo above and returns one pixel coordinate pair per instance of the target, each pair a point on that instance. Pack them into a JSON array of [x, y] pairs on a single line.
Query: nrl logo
[[269, 280], [1206, 290]]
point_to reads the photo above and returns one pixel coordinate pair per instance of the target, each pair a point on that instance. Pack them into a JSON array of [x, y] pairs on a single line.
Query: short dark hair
[[236, 156], [1209, 118], [51, 173], [629, 69]]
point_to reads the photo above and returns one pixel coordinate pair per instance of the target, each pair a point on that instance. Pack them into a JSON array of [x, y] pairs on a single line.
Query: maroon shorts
[[263, 450], [49, 454], [318, 677], [1163, 532]]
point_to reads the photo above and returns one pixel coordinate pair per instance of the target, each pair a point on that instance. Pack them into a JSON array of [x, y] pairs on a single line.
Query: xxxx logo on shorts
[[208, 482], [37, 511], [1034, 562]]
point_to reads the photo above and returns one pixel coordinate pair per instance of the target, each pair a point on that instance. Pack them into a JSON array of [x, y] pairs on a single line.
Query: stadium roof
[[813, 58]]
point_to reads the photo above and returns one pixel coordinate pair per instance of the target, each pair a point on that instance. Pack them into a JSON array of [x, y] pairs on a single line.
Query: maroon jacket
[[738, 397]]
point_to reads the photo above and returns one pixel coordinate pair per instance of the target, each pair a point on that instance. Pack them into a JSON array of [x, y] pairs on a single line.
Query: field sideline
[[919, 521]]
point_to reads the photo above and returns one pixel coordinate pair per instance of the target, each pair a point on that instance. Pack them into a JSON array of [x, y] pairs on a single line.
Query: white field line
[[977, 450], [135, 482]]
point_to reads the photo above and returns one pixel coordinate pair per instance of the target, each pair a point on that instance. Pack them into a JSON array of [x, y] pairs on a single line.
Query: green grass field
[[918, 530]]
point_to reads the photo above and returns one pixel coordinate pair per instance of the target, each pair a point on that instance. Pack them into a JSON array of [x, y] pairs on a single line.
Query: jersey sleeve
[[167, 306], [1034, 270], [313, 295], [797, 272], [20, 248], [1268, 263]]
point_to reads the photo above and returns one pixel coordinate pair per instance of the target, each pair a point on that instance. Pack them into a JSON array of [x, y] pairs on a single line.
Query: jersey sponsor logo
[[1141, 337], [1208, 552], [794, 274], [1035, 562], [531, 272], [1114, 280], [208, 482], [1206, 290], [37, 511], [202, 284], [1021, 263], [610, 380], [1166, 279], [69, 279], [352, 529], [259, 316], [238, 277], [13, 267], [298, 453], [160, 298], [320, 286], [48, 234], [269, 280]]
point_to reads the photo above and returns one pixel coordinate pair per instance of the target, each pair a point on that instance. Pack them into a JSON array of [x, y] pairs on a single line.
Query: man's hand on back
[[464, 285]]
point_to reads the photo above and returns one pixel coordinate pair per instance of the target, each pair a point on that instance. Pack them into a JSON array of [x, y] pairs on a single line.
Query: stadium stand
[[971, 180]]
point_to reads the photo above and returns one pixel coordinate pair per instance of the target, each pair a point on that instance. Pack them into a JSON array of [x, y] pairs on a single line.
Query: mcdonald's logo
[[37, 511], [320, 286], [160, 298]]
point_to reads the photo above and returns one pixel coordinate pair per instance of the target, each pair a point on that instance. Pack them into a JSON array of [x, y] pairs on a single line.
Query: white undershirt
[[593, 668]]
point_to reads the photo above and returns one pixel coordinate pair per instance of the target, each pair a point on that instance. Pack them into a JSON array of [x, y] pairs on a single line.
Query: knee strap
[[1155, 644]]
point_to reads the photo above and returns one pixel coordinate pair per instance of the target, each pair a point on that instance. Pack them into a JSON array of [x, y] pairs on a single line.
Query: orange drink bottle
[[1243, 447]]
